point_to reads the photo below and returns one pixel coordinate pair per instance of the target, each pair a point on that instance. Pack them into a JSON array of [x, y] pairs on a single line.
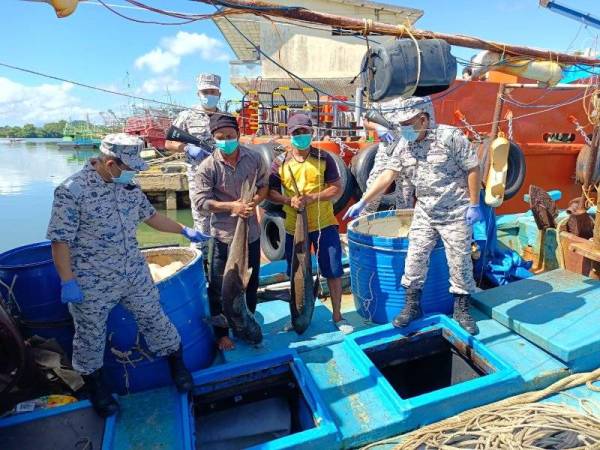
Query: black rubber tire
[[272, 237], [347, 182], [267, 151], [515, 174], [361, 166]]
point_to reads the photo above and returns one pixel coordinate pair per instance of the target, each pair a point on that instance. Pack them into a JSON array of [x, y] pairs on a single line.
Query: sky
[[96, 47]]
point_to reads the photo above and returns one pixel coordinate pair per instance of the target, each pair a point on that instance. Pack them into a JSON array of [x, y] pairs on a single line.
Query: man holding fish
[[306, 180], [230, 183]]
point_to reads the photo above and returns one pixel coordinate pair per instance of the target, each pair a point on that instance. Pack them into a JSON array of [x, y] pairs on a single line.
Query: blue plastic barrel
[[31, 287], [377, 266], [184, 299]]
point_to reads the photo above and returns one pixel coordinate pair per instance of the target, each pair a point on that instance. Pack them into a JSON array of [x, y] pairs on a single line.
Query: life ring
[[272, 237]]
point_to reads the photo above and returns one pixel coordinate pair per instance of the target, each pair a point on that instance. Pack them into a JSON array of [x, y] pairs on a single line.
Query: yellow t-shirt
[[312, 175]]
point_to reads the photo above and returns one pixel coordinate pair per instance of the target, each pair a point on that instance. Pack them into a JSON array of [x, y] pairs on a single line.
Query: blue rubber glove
[[384, 134], [194, 235], [196, 153], [71, 292], [355, 210], [473, 214]]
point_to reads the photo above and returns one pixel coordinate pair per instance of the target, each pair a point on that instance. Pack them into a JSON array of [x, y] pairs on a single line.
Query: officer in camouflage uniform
[[195, 121], [93, 226], [445, 173], [404, 192]]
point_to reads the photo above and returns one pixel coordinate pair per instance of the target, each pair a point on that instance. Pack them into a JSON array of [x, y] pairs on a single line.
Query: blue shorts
[[329, 256]]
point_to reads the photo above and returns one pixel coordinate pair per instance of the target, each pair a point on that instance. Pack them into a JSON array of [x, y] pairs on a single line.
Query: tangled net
[[516, 423]]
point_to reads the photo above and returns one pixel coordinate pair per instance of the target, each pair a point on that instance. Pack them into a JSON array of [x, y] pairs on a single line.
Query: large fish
[[303, 288], [236, 277]]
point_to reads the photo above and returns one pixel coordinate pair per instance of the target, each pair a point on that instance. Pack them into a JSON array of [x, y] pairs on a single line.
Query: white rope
[[517, 422], [11, 302]]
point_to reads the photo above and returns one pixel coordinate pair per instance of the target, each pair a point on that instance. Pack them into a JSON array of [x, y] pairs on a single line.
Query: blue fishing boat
[[80, 136], [326, 390]]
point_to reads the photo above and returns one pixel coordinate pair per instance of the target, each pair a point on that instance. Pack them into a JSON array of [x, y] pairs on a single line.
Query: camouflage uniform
[[405, 191], [439, 165], [195, 121], [98, 220]]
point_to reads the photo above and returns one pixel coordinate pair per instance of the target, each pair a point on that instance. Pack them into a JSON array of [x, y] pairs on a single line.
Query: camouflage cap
[[411, 107], [126, 147], [208, 81]]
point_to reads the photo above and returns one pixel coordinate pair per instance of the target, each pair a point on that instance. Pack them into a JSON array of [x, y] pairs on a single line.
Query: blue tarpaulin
[[496, 266]]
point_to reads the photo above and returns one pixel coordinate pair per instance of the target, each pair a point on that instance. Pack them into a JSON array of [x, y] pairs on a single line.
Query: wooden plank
[[261, 8], [587, 250]]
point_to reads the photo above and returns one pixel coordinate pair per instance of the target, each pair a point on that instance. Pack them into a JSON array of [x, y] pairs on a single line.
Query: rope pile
[[515, 423]]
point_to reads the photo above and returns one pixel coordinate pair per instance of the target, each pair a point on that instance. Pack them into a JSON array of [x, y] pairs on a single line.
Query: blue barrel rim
[[17, 250], [186, 266]]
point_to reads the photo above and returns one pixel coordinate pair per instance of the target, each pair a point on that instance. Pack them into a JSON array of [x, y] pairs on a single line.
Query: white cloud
[[20, 104], [168, 54], [158, 60], [184, 43], [161, 85]]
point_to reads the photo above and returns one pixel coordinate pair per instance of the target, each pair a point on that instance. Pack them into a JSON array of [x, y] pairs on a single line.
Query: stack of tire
[[272, 239]]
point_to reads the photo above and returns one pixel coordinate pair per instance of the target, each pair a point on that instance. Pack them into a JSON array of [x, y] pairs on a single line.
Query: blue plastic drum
[[31, 287], [377, 245], [129, 365]]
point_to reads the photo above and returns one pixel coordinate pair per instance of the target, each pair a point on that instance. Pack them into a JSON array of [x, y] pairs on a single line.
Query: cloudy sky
[[96, 47]]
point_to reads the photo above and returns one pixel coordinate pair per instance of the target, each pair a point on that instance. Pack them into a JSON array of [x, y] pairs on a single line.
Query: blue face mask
[[227, 146], [126, 177], [209, 101], [409, 133], [301, 141]]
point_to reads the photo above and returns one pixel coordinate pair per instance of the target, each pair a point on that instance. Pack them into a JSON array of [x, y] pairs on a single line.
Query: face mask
[[409, 133], [126, 177], [227, 146], [301, 141], [209, 101]]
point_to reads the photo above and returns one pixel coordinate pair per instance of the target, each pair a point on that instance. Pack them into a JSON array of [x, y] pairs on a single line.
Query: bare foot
[[225, 344]]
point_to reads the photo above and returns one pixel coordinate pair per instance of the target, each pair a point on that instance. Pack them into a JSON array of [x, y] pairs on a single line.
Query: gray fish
[[235, 280], [303, 288]]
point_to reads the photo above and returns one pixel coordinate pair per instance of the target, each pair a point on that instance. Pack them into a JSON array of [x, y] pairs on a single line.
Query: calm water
[[29, 172]]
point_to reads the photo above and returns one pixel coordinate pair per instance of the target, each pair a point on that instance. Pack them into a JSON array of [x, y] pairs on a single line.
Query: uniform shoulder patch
[[74, 185]]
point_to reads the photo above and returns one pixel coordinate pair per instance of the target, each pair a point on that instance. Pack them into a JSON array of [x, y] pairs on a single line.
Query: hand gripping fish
[[236, 277], [303, 288]]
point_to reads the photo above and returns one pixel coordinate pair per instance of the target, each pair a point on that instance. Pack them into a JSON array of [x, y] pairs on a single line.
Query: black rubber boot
[[412, 309], [181, 376], [462, 315], [104, 404]]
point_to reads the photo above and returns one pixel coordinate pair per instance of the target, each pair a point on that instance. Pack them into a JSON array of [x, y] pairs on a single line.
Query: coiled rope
[[515, 423]]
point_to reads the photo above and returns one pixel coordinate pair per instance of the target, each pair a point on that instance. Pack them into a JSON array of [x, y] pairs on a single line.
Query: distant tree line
[[49, 130]]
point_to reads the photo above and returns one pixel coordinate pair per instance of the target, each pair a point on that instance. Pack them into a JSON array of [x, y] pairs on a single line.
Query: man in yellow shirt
[[318, 181]]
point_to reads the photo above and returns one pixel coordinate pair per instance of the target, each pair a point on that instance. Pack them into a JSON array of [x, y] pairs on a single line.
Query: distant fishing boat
[[13, 140], [82, 135]]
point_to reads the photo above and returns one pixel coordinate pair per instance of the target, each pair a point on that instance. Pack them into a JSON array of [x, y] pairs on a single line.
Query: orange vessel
[[550, 162]]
